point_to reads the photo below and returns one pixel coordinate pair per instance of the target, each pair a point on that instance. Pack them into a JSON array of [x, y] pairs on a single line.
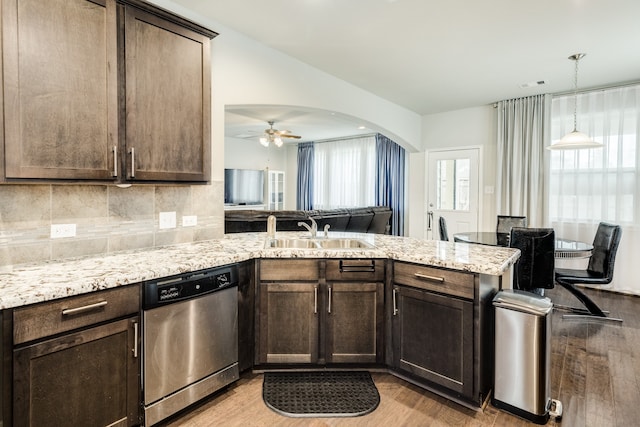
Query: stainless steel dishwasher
[[190, 339]]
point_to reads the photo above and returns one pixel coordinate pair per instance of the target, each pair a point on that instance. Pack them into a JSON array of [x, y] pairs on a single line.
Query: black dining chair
[[599, 272], [507, 222], [444, 235], [534, 270]]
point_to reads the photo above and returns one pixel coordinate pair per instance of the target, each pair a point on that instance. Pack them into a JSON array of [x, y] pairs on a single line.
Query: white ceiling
[[433, 56]]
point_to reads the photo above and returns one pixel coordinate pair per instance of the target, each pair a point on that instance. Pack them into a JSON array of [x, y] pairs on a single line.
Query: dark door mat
[[320, 394]]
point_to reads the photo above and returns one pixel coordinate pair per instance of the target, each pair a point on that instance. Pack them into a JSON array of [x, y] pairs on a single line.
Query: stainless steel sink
[[292, 243], [320, 243], [343, 244]]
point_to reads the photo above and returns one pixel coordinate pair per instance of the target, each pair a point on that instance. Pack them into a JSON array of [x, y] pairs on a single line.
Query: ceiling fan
[[275, 135]]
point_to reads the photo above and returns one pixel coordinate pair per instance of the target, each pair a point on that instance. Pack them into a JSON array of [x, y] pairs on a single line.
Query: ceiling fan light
[[264, 141], [278, 141], [574, 141]]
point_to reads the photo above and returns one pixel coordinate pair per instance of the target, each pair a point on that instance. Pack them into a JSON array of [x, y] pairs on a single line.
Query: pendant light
[[575, 139]]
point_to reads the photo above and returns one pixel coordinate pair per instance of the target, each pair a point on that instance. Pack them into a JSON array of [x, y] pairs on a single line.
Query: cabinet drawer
[[289, 269], [63, 315], [370, 270], [434, 279]]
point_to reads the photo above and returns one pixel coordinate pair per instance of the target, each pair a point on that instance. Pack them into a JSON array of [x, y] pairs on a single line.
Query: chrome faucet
[[326, 230], [313, 229]]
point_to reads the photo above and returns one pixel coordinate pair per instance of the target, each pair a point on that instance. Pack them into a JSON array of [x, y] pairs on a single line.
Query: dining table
[[564, 248]]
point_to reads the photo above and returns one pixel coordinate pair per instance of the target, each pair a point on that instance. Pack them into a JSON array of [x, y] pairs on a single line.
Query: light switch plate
[[167, 220], [63, 230], [189, 220]]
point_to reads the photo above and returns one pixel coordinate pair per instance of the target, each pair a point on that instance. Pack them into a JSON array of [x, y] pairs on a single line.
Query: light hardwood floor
[[595, 373]]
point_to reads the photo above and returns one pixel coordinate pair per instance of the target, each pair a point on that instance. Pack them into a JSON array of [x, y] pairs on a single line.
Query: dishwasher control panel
[[188, 285]]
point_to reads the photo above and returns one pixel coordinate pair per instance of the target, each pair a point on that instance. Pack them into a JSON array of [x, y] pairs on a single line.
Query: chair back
[[605, 246], [536, 267], [444, 235], [507, 222]]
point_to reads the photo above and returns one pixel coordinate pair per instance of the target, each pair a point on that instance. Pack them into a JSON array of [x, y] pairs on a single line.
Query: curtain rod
[[599, 88], [580, 91], [344, 138]]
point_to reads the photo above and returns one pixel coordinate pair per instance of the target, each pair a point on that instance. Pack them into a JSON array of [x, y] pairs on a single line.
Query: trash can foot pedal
[[555, 409]]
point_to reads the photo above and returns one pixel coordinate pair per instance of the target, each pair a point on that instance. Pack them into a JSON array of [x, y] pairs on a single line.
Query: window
[[344, 173], [598, 184]]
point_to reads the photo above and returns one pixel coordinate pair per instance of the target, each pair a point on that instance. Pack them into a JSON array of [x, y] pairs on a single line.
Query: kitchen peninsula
[[412, 285]]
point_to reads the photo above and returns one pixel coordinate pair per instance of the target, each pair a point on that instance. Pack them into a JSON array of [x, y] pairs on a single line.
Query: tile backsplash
[[107, 218]]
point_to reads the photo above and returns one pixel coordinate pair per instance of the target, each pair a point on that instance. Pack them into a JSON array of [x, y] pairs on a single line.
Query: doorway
[[452, 191]]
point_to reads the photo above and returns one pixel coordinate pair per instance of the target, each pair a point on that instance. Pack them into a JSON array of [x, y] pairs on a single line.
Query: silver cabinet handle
[[345, 267], [77, 310], [135, 340], [133, 162], [395, 302], [329, 303], [427, 277], [315, 299], [115, 160]]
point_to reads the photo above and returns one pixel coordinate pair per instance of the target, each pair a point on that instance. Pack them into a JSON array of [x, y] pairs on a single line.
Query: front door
[[452, 191]]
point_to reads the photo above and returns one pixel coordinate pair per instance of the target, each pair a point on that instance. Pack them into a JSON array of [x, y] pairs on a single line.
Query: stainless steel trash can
[[522, 355]]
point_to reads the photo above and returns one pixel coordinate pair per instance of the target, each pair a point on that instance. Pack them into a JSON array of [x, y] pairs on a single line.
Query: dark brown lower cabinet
[[85, 378], [354, 313], [288, 329], [433, 338]]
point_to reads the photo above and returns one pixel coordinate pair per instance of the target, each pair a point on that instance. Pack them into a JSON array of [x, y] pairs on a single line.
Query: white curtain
[[521, 135], [345, 173], [589, 186]]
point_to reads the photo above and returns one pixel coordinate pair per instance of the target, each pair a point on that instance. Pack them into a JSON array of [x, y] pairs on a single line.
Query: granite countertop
[[32, 283]]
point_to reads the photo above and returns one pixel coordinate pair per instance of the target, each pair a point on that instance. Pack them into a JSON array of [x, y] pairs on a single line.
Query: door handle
[[115, 160], [135, 340], [315, 299], [395, 301], [429, 220], [133, 162], [329, 303]]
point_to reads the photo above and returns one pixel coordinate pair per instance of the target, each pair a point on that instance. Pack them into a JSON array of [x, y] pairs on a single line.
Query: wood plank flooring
[[595, 373]]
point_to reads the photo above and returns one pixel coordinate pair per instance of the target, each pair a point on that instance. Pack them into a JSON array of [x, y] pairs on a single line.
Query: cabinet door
[[433, 338], [354, 322], [60, 88], [87, 378], [168, 100], [288, 323]]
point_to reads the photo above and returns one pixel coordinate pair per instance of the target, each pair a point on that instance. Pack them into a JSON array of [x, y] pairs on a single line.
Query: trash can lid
[[523, 301]]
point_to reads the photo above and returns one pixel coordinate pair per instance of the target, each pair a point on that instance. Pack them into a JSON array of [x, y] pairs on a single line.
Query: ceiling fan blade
[[286, 135]]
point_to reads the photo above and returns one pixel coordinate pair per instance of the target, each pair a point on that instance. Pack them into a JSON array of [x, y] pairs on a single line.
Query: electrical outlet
[[167, 220], [189, 220], [62, 230]]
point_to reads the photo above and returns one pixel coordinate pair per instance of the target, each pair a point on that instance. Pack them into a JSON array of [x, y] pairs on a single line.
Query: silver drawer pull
[[345, 267], [70, 311], [427, 277]]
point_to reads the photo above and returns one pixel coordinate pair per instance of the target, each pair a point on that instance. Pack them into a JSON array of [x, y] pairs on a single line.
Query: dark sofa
[[372, 219]]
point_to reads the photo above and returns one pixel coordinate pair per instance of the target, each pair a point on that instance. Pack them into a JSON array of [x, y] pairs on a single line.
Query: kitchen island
[[419, 309], [34, 283]]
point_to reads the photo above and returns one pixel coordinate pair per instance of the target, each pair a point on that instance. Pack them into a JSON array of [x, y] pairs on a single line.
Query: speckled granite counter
[[30, 284]]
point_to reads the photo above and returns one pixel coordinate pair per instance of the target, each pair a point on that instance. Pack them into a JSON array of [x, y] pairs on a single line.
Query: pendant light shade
[[575, 139]]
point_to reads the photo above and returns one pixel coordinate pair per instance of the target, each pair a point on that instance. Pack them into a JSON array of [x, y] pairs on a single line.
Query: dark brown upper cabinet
[[104, 90], [168, 105]]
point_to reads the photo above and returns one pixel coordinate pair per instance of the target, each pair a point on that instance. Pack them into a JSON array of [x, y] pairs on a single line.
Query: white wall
[[454, 129], [247, 72], [247, 154]]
